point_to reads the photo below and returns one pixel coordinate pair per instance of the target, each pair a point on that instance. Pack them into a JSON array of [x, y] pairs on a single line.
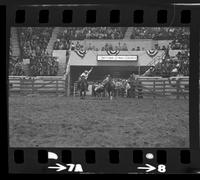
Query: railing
[[154, 62], [160, 87], [176, 87], [156, 87], [21, 84]]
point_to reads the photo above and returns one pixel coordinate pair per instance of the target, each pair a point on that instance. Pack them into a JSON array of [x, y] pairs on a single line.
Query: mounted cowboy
[[85, 75], [107, 79], [99, 87]]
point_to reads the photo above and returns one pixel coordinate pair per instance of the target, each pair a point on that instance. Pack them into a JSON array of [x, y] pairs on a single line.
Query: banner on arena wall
[[113, 52], [26, 61], [152, 53], [117, 58], [80, 53]]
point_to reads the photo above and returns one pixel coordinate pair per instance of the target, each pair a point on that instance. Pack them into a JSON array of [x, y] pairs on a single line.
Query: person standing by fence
[[132, 85]]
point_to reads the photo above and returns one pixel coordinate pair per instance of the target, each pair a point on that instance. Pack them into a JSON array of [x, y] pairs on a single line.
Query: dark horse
[[109, 86], [82, 87]]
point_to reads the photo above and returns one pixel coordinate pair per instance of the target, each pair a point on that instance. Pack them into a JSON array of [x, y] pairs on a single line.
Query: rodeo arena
[[99, 87]]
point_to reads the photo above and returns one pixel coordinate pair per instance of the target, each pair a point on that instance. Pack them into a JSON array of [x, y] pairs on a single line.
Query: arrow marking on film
[[59, 167], [148, 168]]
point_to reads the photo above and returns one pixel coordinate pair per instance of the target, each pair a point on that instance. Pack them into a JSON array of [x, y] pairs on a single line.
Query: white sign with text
[[117, 58]]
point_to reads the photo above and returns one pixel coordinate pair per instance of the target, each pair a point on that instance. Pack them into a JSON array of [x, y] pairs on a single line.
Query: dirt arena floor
[[50, 121]]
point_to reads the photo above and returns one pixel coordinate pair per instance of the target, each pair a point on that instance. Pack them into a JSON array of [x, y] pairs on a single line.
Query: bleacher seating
[[172, 66], [179, 36], [173, 38], [63, 38], [33, 43]]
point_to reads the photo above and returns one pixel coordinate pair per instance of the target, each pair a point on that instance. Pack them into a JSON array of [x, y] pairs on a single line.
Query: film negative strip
[[97, 88]]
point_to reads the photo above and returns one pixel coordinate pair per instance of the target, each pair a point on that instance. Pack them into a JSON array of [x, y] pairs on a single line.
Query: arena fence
[[144, 86], [39, 84], [160, 87]]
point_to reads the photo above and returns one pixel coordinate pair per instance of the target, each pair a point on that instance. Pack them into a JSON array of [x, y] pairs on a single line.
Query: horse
[[82, 87], [109, 87]]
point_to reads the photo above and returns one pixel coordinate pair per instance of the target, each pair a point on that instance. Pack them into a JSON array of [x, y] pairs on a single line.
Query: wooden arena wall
[[151, 86]]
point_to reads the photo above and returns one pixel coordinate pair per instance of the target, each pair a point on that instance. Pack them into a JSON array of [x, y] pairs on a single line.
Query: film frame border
[[148, 21]]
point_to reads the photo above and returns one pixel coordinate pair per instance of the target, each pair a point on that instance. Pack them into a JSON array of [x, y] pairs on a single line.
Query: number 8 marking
[[161, 168]]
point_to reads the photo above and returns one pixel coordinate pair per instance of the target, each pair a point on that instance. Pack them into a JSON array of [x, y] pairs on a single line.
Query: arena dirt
[[44, 121]]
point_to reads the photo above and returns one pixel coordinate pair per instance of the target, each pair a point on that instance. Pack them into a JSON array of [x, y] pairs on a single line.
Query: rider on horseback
[[85, 75], [107, 79]]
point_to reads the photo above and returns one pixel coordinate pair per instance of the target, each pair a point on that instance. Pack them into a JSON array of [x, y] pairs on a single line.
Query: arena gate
[[98, 73]]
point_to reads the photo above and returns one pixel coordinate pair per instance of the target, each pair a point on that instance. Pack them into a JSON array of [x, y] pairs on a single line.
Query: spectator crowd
[[15, 65], [172, 66], [39, 66], [78, 33], [33, 42], [179, 36], [43, 66], [81, 33]]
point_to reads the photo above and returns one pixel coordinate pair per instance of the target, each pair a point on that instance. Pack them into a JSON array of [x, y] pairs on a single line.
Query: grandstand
[[32, 48]]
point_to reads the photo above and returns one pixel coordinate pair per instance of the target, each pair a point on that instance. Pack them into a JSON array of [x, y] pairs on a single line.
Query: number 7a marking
[[75, 168], [71, 167]]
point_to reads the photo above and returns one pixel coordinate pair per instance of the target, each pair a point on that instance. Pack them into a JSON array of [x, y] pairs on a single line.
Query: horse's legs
[[111, 95], [81, 95], [104, 93], [133, 92], [114, 92], [107, 93], [128, 93]]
